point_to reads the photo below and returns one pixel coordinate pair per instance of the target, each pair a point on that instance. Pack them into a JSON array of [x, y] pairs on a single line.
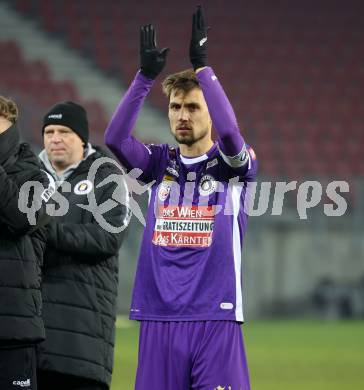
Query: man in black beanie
[[21, 254], [65, 131], [80, 273]]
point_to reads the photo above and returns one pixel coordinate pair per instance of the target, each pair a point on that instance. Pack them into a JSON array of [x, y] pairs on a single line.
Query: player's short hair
[[8, 109], [183, 81]]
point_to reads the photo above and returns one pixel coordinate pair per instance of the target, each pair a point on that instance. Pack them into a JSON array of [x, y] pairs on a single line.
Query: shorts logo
[[22, 383], [83, 187], [226, 305], [207, 185], [223, 388]]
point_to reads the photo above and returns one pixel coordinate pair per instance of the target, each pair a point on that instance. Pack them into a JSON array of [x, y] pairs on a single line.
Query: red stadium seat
[[298, 87], [31, 83]]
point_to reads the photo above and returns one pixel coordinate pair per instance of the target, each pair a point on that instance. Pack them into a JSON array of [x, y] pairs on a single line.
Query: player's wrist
[[196, 64], [198, 70], [149, 74]]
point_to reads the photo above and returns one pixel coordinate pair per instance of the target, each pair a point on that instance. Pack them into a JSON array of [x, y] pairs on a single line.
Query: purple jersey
[[190, 260], [189, 265]]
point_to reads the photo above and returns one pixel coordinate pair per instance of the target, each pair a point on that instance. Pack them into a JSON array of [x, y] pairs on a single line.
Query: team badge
[[207, 185], [165, 187], [83, 187]]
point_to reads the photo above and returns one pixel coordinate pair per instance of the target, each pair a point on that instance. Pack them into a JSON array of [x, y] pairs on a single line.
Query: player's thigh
[[18, 367], [163, 362], [221, 361]]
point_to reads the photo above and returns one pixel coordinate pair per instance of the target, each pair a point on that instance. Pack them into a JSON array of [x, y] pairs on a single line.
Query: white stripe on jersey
[[235, 194], [149, 194], [193, 160]]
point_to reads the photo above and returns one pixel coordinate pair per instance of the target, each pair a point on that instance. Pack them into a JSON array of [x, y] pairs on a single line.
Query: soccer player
[[187, 291]]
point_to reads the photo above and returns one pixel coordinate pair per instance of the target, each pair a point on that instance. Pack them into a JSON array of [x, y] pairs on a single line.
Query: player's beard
[[190, 138]]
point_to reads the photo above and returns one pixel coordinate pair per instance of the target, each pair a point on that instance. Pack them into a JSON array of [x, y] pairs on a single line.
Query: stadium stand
[[31, 84], [294, 72]]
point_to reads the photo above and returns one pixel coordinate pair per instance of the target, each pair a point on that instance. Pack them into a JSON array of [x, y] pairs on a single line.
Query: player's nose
[[183, 114], [56, 138]]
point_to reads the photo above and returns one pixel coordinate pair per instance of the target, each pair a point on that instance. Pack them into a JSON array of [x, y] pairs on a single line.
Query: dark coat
[[80, 280], [21, 244]]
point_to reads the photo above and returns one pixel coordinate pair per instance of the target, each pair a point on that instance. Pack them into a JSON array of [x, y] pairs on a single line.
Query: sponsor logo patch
[[83, 187], [184, 226], [22, 383], [211, 163]]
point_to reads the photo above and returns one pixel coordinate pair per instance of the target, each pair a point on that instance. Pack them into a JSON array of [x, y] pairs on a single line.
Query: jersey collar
[[194, 160]]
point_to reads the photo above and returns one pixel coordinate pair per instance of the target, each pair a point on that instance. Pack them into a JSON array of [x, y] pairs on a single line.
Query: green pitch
[[282, 355]]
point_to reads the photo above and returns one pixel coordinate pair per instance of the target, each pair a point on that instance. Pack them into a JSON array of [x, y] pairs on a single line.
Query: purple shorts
[[203, 355]]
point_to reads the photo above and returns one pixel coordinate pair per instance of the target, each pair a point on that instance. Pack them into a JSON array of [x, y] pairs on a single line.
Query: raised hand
[[198, 44], [152, 61]]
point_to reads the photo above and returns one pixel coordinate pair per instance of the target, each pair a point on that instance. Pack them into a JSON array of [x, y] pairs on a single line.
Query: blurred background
[[294, 73]]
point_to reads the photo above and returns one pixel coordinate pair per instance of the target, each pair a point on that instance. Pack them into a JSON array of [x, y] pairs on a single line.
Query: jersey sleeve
[[131, 152], [156, 158], [230, 140]]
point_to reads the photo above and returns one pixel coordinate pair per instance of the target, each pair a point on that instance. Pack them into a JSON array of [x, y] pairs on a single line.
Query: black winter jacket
[[21, 245], [80, 279]]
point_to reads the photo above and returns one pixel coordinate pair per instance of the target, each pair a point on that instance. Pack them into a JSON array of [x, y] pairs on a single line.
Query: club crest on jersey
[[207, 185], [83, 187], [165, 187]]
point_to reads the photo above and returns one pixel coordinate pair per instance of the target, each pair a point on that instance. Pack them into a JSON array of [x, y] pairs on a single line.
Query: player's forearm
[[222, 114], [126, 114], [118, 133]]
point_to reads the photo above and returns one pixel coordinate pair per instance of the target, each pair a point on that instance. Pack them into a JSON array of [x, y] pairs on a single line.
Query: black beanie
[[68, 114]]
